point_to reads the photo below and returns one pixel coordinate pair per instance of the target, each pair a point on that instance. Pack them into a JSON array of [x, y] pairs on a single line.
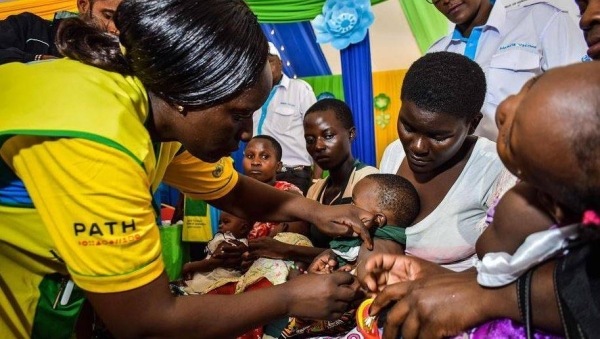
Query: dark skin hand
[[152, 311], [381, 247], [278, 206], [267, 247], [163, 315], [425, 304], [227, 255], [324, 263]]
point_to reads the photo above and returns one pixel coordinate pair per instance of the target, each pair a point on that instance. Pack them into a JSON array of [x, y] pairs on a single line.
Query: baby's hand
[[324, 263]]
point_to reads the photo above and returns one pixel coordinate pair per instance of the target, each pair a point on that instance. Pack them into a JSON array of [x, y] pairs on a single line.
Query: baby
[[395, 202], [209, 273]]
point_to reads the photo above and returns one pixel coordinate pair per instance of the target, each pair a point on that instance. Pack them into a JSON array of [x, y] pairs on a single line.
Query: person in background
[[26, 37], [329, 131], [78, 176], [281, 117], [590, 25], [512, 44], [262, 161]]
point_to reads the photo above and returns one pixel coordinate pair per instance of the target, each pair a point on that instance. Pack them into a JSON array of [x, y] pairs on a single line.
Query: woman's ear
[[381, 219], [475, 122], [352, 133], [279, 166], [83, 6]]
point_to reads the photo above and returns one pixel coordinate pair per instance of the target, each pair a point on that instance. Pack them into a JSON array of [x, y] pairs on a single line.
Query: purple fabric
[[503, 328], [490, 212]]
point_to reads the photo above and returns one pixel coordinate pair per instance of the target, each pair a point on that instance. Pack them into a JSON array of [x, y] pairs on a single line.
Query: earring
[[179, 108], [519, 172]]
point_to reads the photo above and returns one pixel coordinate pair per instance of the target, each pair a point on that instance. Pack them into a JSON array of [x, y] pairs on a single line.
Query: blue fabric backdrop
[[358, 93], [301, 55]]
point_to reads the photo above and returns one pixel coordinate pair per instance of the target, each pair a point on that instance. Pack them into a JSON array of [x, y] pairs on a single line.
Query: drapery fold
[[42, 8], [426, 22], [280, 11], [301, 54], [358, 86]]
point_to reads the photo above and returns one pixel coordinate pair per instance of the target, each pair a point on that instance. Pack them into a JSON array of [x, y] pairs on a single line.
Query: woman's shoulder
[[362, 170], [485, 151], [392, 157], [484, 164], [315, 189]]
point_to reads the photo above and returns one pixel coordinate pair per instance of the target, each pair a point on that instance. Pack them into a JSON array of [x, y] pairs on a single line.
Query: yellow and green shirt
[[77, 173]]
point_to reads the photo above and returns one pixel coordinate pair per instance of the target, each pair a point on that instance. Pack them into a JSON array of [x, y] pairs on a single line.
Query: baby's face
[[230, 223], [536, 139]]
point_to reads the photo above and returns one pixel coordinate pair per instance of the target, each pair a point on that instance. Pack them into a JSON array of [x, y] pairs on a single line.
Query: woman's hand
[[321, 296], [324, 263], [436, 306], [266, 247], [231, 252], [345, 220], [386, 269]]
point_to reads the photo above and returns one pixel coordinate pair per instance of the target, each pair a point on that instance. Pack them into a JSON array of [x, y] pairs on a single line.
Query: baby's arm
[[518, 214], [380, 246], [205, 265]]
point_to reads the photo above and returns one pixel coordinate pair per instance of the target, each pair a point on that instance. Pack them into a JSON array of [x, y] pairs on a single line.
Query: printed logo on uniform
[[105, 233], [218, 171], [522, 45]]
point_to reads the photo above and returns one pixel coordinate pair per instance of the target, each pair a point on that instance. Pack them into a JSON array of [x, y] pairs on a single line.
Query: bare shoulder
[[518, 214]]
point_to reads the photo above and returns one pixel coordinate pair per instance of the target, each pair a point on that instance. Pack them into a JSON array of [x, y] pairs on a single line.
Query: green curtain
[[285, 11], [327, 83], [426, 22]]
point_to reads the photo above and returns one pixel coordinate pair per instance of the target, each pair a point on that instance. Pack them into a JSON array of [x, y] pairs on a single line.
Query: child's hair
[[397, 196], [341, 109], [445, 82], [276, 145], [585, 194]]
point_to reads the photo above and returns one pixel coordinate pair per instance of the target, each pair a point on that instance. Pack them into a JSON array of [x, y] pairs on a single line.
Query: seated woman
[[458, 175], [329, 130], [555, 289], [262, 161]]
